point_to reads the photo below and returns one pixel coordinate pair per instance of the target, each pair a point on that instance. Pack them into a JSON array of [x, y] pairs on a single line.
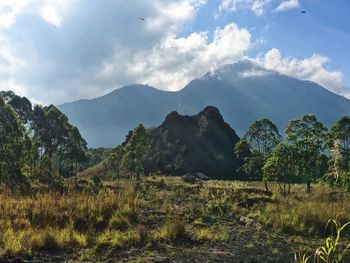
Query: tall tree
[[280, 165], [135, 150], [262, 137], [75, 149], [115, 163], [13, 142], [57, 139], [339, 145], [21, 105], [307, 136]]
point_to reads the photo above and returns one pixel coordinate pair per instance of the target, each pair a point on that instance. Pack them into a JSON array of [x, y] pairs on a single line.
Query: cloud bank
[[312, 68]]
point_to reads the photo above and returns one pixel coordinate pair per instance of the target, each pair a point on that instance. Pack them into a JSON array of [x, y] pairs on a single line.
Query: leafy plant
[[331, 251]]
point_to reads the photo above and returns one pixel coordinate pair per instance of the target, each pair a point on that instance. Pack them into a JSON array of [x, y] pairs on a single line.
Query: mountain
[[186, 144], [199, 143], [244, 92]]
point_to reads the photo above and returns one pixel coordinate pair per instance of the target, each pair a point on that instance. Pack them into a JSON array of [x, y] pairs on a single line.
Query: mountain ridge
[[243, 92]]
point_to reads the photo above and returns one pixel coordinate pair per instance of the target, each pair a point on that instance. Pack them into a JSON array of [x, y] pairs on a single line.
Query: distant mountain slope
[[186, 144], [242, 91]]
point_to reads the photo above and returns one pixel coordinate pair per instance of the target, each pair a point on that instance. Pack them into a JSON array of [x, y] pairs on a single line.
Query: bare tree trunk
[[266, 187], [308, 185]]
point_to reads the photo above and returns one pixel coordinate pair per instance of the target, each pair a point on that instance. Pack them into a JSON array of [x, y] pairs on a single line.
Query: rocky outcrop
[[188, 144]]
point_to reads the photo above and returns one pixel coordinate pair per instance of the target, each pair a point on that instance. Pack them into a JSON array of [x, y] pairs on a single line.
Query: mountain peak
[[238, 70], [213, 113], [188, 135]]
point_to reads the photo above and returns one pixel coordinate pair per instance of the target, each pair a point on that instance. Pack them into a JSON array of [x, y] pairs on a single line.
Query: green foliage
[[279, 166], [21, 105], [331, 251], [339, 146], [263, 136], [36, 143], [252, 167], [95, 156], [173, 230], [115, 163], [13, 147], [307, 137], [135, 150]]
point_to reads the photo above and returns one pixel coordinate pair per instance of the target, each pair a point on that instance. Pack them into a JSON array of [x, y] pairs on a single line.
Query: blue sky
[[61, 50], [324, 30]]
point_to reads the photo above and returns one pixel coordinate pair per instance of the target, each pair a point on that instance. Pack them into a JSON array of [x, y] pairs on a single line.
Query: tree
[[135, 149], [263, 136], [279, 166], [338, 141], [21, 105], [13, 143], [75, 149], [57, 139], [36, 138], [250, 162], [115, 163], [45, 171], [242, 150], [307, 137]]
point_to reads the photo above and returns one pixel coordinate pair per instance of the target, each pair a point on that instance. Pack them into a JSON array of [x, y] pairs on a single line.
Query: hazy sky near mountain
[[61, 50]]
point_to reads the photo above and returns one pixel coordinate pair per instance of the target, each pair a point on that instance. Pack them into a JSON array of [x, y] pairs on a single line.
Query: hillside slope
[[186, 144], [243, 92]]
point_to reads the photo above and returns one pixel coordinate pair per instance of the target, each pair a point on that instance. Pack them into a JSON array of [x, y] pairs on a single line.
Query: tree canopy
[[307, 137], [36, 143]]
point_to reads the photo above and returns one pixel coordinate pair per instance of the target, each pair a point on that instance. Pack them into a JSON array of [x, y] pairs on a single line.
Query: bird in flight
[[303, 12], [141, 18]]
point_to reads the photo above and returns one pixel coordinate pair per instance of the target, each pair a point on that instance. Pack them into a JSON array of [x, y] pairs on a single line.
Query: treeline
[[37, 145], [309, 153]]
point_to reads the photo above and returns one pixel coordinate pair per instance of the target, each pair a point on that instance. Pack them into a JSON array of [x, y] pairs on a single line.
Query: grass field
[[165, 219]]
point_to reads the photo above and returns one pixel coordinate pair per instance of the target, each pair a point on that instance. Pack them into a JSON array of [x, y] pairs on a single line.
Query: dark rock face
[[188, 144]]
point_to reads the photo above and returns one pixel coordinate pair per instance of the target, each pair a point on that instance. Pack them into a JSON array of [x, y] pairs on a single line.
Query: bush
[[173, 230]]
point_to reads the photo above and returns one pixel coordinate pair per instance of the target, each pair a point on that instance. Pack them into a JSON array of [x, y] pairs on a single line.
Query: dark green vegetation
[[241, 97], [37, 145], [205, 143]]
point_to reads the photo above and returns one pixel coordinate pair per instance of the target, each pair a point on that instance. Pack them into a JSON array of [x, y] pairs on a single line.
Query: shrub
[[173, 230]]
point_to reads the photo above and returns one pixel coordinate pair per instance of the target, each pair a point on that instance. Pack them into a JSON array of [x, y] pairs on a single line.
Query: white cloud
[[256, 6], [287, 4], [53, 10], [176, 61], [254, 73], [50, 10], [312, 68], [9, 10], [70, 59]]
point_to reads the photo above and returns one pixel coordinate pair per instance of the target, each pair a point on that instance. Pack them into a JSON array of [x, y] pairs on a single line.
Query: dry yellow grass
[[159, 211]]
